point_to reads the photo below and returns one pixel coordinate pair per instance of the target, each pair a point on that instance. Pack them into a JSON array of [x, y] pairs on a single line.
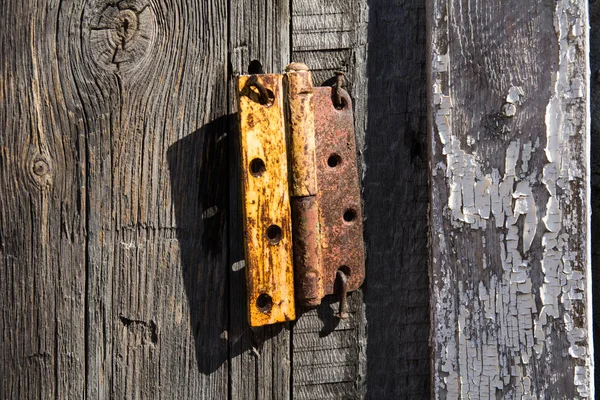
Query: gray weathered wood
[[119, 186], [329, 360], [260, 358], [152, 76], [42, 207], [595, 164], [510, 199], [111, 199]]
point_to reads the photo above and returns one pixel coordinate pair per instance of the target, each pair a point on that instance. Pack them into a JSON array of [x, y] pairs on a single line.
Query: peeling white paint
[[238, 265], [501, 334], [526, 156], [563, 286], [515, 95], [473, 198]]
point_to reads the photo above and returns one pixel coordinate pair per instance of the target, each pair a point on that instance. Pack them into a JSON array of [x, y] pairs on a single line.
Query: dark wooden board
[[396, 203], [112, 257], [156, 281], [595, 164], [510, 204]]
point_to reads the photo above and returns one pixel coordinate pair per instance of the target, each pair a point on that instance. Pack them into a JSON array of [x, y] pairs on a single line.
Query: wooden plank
[[329, 355], [152, 80], [595, 165], [510, 199], [260, 362], [395, 191], [42, 207]]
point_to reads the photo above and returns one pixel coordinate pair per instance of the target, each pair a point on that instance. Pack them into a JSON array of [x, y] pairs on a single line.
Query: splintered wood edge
[[266, 203]]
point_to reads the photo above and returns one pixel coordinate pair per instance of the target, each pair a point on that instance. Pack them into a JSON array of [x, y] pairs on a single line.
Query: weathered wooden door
[[120, 238], [121, 254]]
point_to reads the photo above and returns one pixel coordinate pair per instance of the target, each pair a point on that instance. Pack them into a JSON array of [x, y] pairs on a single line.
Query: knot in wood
[[40, 167], [122, 36], [126, 27], [40, 170]]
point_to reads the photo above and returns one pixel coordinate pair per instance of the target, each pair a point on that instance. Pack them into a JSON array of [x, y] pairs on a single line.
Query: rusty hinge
[[301, 194]]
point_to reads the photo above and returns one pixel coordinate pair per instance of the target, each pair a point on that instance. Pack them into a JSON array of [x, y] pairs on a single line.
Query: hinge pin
[[337, 86], [342, 286]]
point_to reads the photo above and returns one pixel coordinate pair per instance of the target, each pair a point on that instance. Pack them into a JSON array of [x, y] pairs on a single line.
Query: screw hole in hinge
[[274, 234], [257, 167], [264, 303], [349, 215], [334, 160]]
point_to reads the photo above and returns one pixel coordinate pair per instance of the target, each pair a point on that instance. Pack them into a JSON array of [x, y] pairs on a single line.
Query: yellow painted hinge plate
[[266, 202]]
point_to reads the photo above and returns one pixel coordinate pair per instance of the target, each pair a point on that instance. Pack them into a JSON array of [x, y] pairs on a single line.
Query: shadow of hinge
[[301, 194]]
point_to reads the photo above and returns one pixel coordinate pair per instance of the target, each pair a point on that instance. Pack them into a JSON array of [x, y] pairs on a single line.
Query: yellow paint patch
[[266, 203]]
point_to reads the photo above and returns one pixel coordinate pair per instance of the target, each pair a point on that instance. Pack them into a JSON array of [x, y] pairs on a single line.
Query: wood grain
[[260, 364], [328, 354], [510, 201], [119, 183], [396, 195], [110, 165], [595, 169], [43, 211], [156, 272]]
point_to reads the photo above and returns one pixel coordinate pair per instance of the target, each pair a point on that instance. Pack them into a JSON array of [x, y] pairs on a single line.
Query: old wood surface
[[113, 280], [120, 221], [595, 170], [260, 366], [329, 354], [510, 200], [43, 252], [396, 202]]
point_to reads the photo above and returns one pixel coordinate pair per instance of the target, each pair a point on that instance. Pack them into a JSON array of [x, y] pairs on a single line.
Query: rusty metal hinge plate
[[301, 194]]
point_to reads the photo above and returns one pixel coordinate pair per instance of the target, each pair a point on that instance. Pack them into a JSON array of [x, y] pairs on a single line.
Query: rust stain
[[340, 214], [308, 270]]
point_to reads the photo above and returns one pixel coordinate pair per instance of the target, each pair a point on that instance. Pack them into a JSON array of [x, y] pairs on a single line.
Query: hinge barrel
[[308, 272]]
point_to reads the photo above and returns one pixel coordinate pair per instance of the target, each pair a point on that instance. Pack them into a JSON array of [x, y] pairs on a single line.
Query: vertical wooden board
[[258, 30], [595, 163], [42, 207], [511, 306], [328, 360], [396, 195], [266, 207], [152, 80]]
